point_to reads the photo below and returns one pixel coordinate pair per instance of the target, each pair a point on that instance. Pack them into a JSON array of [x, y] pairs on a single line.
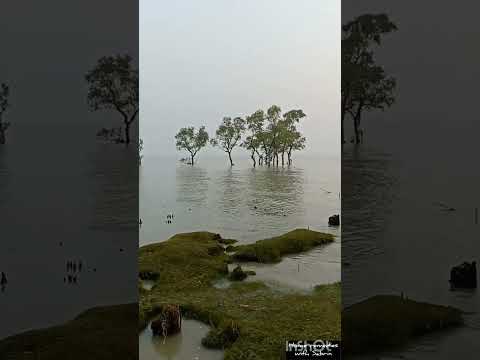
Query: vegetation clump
[[227, 241], [101, 333], [148, 275], [271, 250], [269, 136], [386, 320], [245, 318], [237, 274], [113, 85], [222, 336]]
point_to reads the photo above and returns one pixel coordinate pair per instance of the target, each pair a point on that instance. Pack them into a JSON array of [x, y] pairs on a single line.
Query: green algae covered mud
[[102, 333], [247, 319]]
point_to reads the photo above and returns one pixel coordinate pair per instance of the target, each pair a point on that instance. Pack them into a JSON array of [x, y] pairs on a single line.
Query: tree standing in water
[[365, 86], [254, 141], [271, 135], [113, 85], [289, 136], [4, 105], [228, 135], [188, 139]]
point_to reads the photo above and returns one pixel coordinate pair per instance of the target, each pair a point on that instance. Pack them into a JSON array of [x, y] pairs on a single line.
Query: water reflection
[[192, 185], [53, 203], [115, 187], [232, 184], [238, 202]]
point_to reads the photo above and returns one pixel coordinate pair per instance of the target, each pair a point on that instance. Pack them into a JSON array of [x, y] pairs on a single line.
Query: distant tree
[[113, 85], [228, 135], [4, 105], [254, 142], [271, 137], [297, 143], [188, 139], [288, 133], [365, 86]]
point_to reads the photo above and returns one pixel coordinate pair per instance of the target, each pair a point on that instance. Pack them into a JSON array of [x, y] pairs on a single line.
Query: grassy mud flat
[[248, 319], [386, 321], [101, 333]]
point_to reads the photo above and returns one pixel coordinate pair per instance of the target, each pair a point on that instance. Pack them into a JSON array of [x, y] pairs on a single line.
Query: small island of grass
[[273, 249], [386, 321], [101, 333]]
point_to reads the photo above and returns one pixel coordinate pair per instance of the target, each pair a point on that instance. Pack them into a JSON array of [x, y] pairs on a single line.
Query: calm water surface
[[57, 206], [242, 202], [397, 238]]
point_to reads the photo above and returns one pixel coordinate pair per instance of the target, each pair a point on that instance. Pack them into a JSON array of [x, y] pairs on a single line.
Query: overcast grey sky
[[203, 60]]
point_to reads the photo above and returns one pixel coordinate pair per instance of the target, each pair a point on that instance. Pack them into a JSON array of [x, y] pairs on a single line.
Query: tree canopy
[[365, 85], [228, 135], [190, 140], [113, 85], [267, 135]]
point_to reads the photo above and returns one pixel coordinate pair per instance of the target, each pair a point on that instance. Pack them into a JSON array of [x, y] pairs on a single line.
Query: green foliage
[[237, 274], [228, 135], [272, 134], [222, 336], [248, 319], [188, 139], [271, 250], [269, 134], [365, 85], [113, 85]]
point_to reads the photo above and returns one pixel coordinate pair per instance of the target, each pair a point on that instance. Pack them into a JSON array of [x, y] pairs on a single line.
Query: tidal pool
[[185, 345]]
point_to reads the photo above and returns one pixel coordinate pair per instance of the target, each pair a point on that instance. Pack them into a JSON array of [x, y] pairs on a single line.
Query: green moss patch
[[271, 250], [385, 321], [248, 318]]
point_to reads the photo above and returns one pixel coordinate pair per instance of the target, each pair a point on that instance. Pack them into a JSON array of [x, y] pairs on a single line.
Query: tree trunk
[[3, 128], [192, 158], [356, 123], [345, 96], [127, 132], [230, 158], [283, 158], [277, 159], [253, 159]]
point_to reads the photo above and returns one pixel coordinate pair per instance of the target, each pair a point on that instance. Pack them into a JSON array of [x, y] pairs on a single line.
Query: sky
[[45, 67], [202, 61]]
